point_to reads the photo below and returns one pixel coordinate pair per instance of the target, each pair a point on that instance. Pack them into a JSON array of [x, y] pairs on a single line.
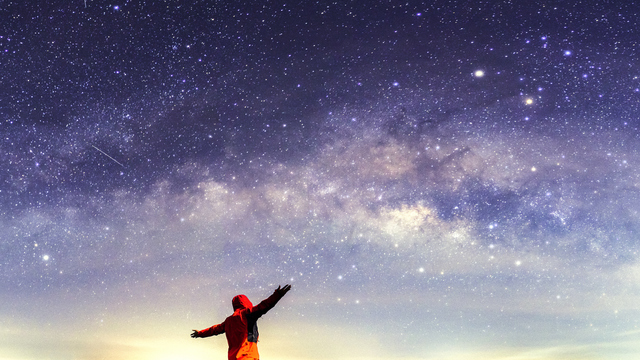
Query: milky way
[[439, 180]]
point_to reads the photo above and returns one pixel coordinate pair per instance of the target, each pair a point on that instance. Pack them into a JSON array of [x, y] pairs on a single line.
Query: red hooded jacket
[[241, 328]]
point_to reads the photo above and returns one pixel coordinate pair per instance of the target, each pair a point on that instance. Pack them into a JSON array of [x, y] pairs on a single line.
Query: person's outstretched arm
[[268, 303], [214, 330]]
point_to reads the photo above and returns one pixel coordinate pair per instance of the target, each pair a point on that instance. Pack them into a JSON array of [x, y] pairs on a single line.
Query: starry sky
[[437, 180]]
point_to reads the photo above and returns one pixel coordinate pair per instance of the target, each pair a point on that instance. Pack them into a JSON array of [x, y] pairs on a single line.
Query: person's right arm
[[268, 303]]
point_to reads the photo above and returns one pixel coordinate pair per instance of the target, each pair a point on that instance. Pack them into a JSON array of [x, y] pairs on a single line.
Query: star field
[[438, 180]]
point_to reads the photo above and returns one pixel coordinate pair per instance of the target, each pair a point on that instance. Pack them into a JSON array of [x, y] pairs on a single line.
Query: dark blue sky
[[449, 178]]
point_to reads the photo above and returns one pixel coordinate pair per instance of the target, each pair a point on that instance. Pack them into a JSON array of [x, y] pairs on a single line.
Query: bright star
[[478, 73]]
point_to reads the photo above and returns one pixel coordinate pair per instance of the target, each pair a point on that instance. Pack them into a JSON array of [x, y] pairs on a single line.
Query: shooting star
[[107, 155]]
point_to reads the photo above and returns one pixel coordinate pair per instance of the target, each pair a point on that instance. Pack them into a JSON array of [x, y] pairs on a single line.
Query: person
[[241, 327]]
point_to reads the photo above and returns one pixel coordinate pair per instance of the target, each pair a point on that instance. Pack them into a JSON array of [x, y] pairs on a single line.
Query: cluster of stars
[[426, 163]]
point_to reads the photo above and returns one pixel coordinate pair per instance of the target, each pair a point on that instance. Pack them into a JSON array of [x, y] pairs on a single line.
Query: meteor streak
[[107, 155]]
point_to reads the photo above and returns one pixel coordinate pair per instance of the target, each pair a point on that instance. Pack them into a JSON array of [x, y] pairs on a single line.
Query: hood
[[241, 302]]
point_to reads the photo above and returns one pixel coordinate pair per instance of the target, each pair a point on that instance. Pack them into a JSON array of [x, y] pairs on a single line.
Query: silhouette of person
[[241, 327]]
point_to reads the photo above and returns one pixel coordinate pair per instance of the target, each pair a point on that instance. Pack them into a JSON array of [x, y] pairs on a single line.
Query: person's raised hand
[[194, 334], [283, 290]]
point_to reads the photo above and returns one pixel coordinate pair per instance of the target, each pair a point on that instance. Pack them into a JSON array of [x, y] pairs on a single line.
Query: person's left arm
[[214, 330]]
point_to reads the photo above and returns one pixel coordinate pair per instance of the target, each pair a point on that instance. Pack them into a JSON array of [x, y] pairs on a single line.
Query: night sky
[[439, 180]]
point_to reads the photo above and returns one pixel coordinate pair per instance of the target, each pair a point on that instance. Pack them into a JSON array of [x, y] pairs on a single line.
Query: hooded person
[[241, 328]]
